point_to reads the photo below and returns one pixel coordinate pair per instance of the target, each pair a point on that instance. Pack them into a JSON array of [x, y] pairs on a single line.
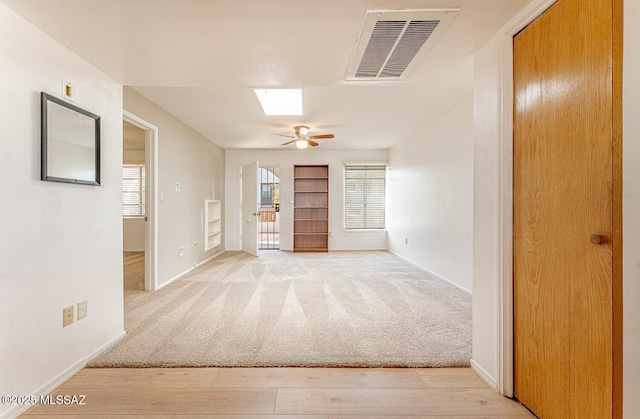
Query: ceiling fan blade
[[312, 143], [321, 136], [289, 142], [282, 135]]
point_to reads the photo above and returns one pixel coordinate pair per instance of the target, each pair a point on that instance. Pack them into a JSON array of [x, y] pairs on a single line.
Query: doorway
[[269, 208], [134, 214], [150, 220]]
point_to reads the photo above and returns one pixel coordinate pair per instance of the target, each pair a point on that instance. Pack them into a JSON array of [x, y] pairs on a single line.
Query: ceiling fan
[[303, 139]]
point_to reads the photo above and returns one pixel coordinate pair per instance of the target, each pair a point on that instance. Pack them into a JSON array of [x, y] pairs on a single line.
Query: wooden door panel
[[563, 186]]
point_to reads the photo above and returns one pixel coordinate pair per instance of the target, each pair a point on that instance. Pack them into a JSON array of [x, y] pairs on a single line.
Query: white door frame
[[151, 228], [504, 380]]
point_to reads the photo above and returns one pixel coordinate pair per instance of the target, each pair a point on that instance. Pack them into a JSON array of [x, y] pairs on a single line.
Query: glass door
[[269, 214]]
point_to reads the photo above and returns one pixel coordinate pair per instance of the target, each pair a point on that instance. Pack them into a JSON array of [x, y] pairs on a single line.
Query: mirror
[[70, 143]]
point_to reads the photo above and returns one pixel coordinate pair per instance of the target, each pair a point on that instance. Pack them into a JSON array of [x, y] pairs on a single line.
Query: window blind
[[364, 196], [133, 190]]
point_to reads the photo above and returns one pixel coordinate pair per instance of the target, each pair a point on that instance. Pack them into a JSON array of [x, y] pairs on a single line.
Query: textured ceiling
[[198, 59]]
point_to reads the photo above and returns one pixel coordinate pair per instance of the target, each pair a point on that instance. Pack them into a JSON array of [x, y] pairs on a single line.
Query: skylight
[[280, 101]]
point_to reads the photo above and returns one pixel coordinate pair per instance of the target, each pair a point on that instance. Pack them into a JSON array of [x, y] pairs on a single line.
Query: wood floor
[[294, 393], [133, 270]]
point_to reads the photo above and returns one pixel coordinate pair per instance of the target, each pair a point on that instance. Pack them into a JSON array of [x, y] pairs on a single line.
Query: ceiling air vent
[[391, 42]]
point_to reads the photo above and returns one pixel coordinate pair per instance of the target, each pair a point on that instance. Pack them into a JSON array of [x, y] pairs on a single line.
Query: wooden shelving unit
[[311, 208], [212, 224]]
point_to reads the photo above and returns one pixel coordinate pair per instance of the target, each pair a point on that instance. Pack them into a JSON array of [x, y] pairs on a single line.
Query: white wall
[[188, 158], [631, 209], [133, 234], [488, 261], [60, 243], [430, 196], [133, 156], [486, 209], [285, 159]]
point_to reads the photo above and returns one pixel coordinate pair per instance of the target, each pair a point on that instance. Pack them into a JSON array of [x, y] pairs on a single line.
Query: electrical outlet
[[180, 251], [82, 309], [406, 241], [67, 316]]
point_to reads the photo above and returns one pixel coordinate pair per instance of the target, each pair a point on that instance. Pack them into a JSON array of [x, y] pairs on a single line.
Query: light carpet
[[341, 309]]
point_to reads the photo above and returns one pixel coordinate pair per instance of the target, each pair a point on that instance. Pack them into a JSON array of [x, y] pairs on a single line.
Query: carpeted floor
[[369, 309]]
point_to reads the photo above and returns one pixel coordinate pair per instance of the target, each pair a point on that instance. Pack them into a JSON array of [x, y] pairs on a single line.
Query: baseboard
[[430, 272], [49, 387], [209, 258], [484, 375], [338, 249], [113, 342], [180, 275]]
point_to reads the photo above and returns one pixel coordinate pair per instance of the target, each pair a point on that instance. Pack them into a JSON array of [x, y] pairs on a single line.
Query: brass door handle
[[598, 239]]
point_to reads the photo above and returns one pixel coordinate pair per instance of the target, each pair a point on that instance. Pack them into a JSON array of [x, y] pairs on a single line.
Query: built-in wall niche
[[212, 224], [70, 142]]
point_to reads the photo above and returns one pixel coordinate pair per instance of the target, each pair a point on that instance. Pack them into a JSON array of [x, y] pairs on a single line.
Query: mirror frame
[[44, 175]]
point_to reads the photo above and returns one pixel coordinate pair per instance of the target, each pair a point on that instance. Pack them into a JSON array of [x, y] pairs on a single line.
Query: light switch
[[177, 186], [67, 90]]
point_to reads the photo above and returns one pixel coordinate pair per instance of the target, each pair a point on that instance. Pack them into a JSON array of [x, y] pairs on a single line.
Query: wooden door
[[250, 208], [566, 212]]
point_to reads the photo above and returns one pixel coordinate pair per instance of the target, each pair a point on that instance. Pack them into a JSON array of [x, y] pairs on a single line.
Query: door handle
[[598, 239]]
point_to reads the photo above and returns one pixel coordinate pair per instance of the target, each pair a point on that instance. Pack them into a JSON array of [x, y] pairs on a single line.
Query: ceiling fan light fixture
[[302, 139], [302, 130]]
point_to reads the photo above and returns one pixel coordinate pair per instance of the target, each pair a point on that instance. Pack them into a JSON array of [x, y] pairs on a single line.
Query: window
[[364, 186], [133, 190], [279, 101]]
